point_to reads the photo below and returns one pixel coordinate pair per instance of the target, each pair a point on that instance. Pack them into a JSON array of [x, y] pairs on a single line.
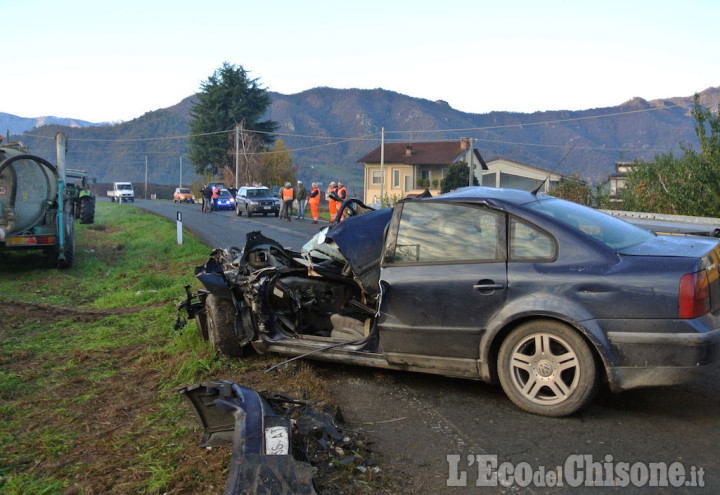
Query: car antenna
[[537, 189]]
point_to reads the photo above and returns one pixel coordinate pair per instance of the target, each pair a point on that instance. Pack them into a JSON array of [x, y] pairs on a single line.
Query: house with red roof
[[410, 168]]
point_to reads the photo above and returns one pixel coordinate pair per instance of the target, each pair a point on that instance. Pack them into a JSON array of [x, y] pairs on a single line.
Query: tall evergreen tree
[[227, 98]]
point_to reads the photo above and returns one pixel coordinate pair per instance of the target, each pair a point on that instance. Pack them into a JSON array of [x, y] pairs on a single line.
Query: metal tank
[[36, 212], [28, 191]]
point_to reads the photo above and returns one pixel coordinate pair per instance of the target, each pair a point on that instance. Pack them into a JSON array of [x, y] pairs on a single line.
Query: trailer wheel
[[87, 209], [220, 315]]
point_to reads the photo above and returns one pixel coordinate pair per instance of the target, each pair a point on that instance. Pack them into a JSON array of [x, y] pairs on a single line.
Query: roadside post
[[179, 228]]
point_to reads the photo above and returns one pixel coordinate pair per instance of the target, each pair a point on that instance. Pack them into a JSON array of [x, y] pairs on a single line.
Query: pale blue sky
[[105, 61]]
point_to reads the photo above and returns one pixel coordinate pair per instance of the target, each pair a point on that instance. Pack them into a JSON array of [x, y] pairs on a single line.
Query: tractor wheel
[[87, 209]]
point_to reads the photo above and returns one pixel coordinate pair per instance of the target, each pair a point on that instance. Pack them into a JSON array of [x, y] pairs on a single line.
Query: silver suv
[[256, 200]]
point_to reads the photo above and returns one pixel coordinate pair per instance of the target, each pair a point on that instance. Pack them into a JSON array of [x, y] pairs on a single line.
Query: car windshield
[[184, 191], [124, 186], [611, 231], [259, 193], [224, 193]]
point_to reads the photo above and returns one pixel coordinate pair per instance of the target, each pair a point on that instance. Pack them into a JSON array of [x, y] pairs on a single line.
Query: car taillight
[[694, 295]]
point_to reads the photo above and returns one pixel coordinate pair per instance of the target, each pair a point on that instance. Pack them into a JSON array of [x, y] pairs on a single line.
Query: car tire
[[249, 212], [547, 368], [220, 314], [238, 211], [277, 213]]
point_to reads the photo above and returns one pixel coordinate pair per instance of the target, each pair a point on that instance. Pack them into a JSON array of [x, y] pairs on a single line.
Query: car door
[[443, 276]]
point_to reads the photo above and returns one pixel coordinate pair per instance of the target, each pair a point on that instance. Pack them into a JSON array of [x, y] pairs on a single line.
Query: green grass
[[103, 333], [90, 365]]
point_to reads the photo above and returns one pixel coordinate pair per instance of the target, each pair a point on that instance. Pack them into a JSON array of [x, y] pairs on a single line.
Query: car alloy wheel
[[547, 368]]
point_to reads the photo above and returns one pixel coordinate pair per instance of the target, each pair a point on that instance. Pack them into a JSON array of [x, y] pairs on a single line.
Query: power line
[[372, 136]]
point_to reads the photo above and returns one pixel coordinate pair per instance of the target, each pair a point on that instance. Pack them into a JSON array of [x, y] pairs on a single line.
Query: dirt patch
[[15, 313]]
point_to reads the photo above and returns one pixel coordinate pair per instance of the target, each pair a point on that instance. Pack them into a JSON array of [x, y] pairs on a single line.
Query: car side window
[[527, 243], [431, 232]]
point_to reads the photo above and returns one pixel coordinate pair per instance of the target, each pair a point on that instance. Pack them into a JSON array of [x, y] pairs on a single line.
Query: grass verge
[[90, 364]]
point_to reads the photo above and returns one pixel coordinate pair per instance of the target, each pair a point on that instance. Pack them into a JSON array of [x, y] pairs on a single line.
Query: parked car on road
[[543, 296], [252, 200], [183, 195], [224, 201]]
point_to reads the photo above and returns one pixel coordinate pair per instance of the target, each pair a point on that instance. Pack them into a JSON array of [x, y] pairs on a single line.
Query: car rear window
[[611, 231]]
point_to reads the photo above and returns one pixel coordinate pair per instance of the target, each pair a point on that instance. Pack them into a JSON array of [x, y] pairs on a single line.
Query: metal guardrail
[[661, 217]]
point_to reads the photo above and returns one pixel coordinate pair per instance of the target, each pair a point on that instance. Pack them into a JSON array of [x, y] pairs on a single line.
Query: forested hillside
[[329, 129]]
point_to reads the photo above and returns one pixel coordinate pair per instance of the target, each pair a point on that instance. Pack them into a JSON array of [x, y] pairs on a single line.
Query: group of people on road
[[209, 194], [336, 193]]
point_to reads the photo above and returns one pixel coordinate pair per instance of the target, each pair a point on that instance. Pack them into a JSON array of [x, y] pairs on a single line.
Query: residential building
[[617, 180], [510, 174], [410, 168]]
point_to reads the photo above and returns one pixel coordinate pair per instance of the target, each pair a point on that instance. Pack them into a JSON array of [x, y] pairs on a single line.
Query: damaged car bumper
[[262, 441]]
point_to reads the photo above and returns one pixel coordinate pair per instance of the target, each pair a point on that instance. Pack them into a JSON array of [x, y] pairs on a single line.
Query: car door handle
[[487, 286]]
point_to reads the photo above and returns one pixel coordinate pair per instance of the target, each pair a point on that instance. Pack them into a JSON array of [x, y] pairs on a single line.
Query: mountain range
[[328, 129], [15, 125]]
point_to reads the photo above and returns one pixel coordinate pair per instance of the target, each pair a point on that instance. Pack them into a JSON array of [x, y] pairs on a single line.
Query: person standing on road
[[206, 198], [288, 197], [331, 195], [342, 194], [301, 197], [314, 201]]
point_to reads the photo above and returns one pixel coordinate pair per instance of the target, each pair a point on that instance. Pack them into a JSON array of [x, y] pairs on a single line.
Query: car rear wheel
[[220, 314], [547, 368]]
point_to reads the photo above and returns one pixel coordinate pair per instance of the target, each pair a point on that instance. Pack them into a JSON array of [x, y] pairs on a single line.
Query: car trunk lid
[[705, 250]]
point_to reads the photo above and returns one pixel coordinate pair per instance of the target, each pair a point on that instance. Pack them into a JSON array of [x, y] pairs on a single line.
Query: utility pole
[[382, 163], [237, 156], [146, 185], [471, 165], [180, 185]]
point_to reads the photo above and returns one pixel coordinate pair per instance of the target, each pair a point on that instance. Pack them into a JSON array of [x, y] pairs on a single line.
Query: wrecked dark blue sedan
[[548, 298]]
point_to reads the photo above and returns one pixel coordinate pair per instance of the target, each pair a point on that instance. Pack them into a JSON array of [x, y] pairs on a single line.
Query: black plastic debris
[[275, 438]]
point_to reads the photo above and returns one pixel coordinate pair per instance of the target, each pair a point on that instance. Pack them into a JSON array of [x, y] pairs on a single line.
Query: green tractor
[[79, 189]]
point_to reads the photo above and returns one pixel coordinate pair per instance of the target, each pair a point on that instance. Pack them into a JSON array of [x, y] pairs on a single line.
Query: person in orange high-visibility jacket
[[288, 197], [215, 196], [342, 194], [331, 194], [314, 201]]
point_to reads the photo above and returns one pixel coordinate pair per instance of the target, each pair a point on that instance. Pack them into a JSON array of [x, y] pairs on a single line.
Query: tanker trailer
[[35, 211]]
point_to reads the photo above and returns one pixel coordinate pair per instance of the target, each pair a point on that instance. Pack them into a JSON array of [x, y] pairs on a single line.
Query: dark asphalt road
[[416, 420]]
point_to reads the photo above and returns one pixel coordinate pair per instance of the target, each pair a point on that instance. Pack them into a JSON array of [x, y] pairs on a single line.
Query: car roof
[[493, 194]]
